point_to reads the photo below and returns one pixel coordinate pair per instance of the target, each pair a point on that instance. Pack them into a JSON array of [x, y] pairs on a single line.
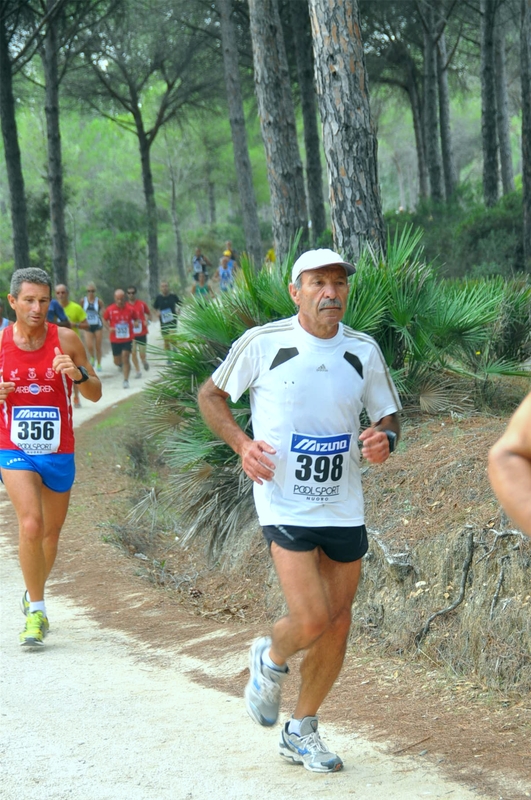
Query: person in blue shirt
[[56, 314], [4, 321]]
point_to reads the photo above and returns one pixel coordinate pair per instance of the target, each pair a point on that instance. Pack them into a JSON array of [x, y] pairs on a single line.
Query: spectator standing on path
[[119, 318], [94, 307], [78, 321], [165, 305], [309, 377], [39, 362], [140, 330], [199, 264], [510, 467]]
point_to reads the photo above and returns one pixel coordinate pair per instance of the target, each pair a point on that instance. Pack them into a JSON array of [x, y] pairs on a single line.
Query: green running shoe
[[37, 626], [25, 603]]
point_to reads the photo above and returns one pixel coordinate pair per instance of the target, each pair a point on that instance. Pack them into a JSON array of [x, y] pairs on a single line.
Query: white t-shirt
[[306, 397]]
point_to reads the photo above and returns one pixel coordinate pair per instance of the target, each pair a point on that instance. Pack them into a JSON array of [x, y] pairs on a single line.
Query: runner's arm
[[510, 467], [82, 324], [375, 442], [217, 415], [74, 355], [107, 323]]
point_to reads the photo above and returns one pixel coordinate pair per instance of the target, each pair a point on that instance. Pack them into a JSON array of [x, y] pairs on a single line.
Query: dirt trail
[[99, 715]]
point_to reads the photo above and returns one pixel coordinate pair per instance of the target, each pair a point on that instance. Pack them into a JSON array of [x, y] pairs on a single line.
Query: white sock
[[268, 662], [38, 606], [294, 726]]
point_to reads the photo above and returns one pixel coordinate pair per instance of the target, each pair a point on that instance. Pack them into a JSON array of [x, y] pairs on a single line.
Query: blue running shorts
[[57, 470]]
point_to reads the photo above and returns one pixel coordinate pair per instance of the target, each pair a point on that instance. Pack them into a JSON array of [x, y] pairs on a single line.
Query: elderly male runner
[[39, 362], [309, 377]]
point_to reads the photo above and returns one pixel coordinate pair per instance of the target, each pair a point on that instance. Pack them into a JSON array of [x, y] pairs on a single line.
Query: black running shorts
[[118, 347], [339, 544]]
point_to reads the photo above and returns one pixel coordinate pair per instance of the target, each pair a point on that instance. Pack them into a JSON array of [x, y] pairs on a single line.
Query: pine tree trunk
[[151, 208], [242, 161], [525, 73], [279, 132], [211, 197], [179, 257], [302, 39], [349, 137], [416, 111], [448, 161], [17, 195], [55, 161], [502, 108], [488, 104], [431, 121]]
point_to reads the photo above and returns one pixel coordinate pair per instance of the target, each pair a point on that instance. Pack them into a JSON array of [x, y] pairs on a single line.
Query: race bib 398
[[317, 468]]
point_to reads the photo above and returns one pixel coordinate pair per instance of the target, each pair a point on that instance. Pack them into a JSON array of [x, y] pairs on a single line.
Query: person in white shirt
[[309, 377]]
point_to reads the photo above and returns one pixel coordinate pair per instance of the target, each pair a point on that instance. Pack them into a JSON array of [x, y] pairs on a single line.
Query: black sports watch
[[85, 376], [392, 439]]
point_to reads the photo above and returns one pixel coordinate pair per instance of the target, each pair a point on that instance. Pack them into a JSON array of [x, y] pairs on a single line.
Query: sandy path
[[98, 716]]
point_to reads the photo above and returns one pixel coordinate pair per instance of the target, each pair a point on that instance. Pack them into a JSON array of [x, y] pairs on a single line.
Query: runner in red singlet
[[39, 362], [118, 319], [140, 330]]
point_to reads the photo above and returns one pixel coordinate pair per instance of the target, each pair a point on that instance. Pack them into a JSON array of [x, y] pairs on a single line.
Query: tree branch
[[461, 596]]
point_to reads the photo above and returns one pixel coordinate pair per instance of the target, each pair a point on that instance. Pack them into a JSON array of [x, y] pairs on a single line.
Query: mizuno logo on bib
[[36, 429], [317, 468]]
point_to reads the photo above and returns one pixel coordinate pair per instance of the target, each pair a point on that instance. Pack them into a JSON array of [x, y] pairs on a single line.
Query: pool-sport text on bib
[[36, 429], [317, 468]]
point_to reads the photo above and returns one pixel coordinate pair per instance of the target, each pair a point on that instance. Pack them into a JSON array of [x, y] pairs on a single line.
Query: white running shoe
[[262, 693], [308, 749], [138, 374], [126, 384]]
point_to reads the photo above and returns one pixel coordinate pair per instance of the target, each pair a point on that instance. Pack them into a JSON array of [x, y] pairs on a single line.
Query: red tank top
[[37, 416]]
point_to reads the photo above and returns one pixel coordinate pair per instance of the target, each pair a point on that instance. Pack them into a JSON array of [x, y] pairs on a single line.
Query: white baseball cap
[[314, 259]]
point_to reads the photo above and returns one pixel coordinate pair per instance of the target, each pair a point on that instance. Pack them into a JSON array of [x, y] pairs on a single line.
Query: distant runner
[[199, 264], [93, 306], [166, 304], [77, 318], [39, 362], [202, 290], [119, 318], [140, 330]]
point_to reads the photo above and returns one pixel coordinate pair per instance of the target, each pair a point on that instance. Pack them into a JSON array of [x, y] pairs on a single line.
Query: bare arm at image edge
[[510, 467]]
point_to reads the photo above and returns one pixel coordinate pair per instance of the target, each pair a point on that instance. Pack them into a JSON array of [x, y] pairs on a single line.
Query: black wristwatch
[[392, 439], [85, 376]]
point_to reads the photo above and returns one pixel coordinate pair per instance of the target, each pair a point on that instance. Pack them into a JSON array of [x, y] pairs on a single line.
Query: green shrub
[[464, 238]]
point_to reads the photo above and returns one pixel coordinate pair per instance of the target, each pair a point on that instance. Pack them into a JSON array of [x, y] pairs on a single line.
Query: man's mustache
[[330, 304]]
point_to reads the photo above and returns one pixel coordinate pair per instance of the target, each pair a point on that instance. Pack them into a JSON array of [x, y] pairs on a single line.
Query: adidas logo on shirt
[[322, 368]]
